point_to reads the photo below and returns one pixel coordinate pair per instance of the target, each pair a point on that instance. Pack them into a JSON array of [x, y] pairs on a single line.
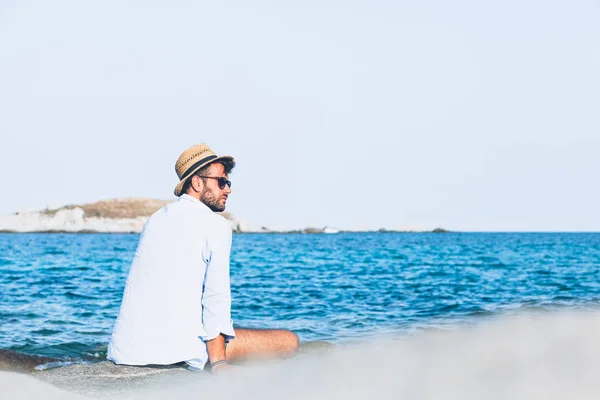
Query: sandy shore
[[553, 356]]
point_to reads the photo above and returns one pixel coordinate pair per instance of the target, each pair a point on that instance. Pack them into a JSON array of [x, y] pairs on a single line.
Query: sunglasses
[[220, 180]]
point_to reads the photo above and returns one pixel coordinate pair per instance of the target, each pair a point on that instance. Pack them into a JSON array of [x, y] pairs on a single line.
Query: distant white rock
[[68, 220], [109, 216]]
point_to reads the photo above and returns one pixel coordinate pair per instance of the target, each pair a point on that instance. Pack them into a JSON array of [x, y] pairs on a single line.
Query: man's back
[[177, 301], [161, 319]]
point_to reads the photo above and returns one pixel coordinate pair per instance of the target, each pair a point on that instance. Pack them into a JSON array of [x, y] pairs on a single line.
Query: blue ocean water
[[61, 292]]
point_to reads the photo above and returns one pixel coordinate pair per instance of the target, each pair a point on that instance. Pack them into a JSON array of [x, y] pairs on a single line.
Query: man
[[177, 303]]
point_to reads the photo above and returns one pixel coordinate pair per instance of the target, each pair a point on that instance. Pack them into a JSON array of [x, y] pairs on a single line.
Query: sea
[[61, 292]]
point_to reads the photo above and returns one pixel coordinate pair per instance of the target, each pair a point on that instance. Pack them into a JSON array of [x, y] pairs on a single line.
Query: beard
[[211, 201]]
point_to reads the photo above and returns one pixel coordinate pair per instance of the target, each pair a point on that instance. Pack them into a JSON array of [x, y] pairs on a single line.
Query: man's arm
[[216, 349], [216, 298]]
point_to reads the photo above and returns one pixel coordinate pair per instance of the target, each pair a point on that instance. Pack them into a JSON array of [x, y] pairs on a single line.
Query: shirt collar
[[187, 197]]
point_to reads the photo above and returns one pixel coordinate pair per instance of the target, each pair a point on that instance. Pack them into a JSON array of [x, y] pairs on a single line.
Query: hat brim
[[179, 186]]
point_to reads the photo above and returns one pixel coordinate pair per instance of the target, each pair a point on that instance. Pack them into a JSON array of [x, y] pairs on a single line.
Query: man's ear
[[195, 184]]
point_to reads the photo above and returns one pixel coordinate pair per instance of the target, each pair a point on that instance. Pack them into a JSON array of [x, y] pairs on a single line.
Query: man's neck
[[195, 195], [188, 197]]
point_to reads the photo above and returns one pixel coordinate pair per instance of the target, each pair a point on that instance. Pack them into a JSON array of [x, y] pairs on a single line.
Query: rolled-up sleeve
[[216, 298]]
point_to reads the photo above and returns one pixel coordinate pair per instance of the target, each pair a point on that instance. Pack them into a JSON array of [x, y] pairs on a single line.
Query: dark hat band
[[199, 163]]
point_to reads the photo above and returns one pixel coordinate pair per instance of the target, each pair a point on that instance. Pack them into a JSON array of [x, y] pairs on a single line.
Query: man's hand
[[224, 369], [219, 368]]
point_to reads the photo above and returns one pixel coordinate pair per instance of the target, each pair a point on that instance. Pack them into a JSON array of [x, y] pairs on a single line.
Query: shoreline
[[129, 215], [298, 232]]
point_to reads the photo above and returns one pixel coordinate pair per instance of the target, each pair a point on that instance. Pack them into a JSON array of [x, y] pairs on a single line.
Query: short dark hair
[[202, 171]]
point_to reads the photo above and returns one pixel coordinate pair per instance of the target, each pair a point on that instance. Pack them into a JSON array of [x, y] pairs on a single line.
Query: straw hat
[[195, 158]]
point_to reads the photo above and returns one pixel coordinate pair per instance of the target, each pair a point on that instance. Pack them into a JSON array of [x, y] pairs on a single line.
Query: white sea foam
[[56, 364]]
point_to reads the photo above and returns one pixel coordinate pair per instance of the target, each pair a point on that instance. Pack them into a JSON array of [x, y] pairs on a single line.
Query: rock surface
[[538, 355], [107, 379], [15, 361]]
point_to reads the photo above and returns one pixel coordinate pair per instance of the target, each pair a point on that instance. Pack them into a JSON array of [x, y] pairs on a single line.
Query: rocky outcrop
[[126, 215]]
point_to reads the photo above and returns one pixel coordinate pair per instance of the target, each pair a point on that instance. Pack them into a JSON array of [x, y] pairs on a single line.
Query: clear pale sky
[[467, 115]]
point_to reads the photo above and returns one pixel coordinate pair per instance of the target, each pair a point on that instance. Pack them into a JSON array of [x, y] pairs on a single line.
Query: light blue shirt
[[177, 295]]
